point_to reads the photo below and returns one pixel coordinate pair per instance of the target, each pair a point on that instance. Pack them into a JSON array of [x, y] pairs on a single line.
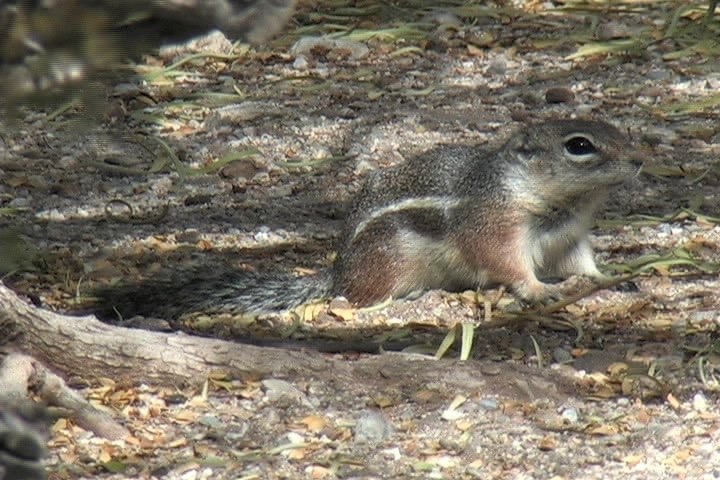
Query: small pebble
[[560, 355], [559, 95], [612, 30], [372, 427], [570, 414], [443, 18], [239, 169], [497, 67], [658, 74], [188, 236], [19, 202], [699, 402], [283, 392], [489, 404], [300, 63], [363, 167], [308, 46]]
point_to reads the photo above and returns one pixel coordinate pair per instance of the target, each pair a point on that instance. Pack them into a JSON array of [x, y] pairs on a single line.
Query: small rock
[[520, 115], [151, 324], [282, 392], [560, 355], [339, 302], [652, 91], [699, 402], [372, 427], [483, 39], [68, 161], [199, 199], [240, 169], [658, 74], [363, 167], [188, 236], [704, 316], [310, 46], [612, 30], [211, 421], [623, 402], [215, 42], [559, 95], [232, 115], [443, 18], [261, 178], [489, 404], [300, 63], [341, 308], [19, 202], [497, 67], [570, 414]]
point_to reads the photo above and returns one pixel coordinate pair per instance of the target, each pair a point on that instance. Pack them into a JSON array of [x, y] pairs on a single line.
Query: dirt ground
[[246, 157]]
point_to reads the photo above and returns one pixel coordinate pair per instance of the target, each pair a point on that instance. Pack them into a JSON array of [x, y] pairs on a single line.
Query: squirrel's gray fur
[[201, 290], [455, 217]]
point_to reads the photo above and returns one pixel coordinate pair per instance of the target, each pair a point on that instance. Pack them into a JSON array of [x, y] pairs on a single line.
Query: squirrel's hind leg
[[395, 255]]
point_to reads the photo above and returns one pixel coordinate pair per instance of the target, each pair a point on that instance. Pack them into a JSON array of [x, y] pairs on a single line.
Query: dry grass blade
[[468, 335], [448, 341], [559, 305], [662, 262], [710, 103], [538, 351], [608, 48]]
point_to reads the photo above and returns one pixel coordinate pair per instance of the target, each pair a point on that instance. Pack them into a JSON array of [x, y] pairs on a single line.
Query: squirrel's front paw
[[536, 292]]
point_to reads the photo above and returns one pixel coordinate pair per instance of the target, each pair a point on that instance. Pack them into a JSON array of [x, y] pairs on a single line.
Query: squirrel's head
[[562, 159]]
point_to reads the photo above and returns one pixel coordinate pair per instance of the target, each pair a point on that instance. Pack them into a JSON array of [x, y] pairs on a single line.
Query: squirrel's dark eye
[[579, 146]]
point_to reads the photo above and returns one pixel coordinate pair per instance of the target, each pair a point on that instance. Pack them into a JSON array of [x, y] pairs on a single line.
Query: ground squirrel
[[455, 217]]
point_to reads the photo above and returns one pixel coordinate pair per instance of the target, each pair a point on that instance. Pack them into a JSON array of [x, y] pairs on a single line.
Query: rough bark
[[21, 374], [86, 347]]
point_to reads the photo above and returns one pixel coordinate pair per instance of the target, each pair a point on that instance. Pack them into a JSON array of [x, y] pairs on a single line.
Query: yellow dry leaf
[[474, 51], [672, 401], [104, 456], [197, 401], [383, 402], [185, 416], [178, 442], [425, 396], [477, 463], [297, 454], [634, 459], [464, 425], [314, 423], [204, 245], [69, 457], [683, 455], [61, 424], [343, 313], [618, 369], [547, 444], [604, 430], [310, 311], [317, 471]]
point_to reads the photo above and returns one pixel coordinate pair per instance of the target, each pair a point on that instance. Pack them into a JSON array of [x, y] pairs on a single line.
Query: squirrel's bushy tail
[[234, 292]]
